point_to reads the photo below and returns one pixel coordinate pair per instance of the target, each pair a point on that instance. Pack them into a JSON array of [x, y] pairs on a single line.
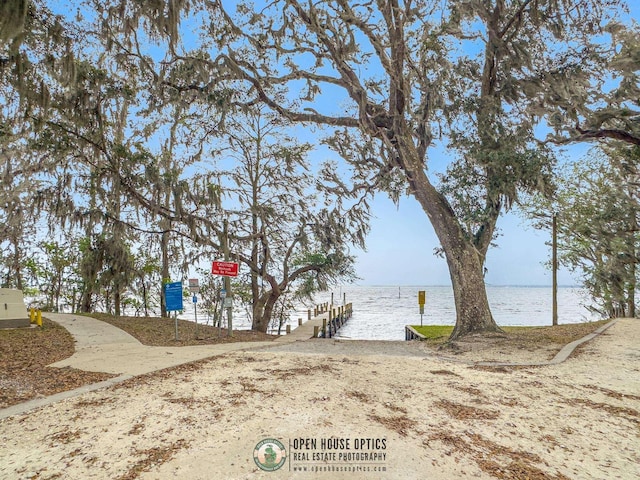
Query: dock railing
[[332, 318], [323, 321], [410, 333]]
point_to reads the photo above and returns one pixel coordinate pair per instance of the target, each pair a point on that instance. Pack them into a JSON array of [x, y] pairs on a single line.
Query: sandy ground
[[341, 410]]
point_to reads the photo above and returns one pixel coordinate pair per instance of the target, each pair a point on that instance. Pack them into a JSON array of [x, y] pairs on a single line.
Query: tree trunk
[[631, 291], [473, 313], [464, 259], [87, 292], [85, 306], [17, 264], [145, 300], [634, 254], [58, 291], [263, 310], [117, 299], [164, 273], [256, 300]]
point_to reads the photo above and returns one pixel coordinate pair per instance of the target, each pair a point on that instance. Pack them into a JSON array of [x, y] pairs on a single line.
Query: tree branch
[[615, 134]]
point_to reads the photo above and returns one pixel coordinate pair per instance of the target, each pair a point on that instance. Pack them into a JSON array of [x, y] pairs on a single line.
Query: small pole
[[554, 263], [227, 280], [195, 313], [175, 318], [223, 294]]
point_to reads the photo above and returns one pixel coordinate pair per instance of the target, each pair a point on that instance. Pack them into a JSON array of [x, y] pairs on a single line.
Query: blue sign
[[195, 299], [173, 296]]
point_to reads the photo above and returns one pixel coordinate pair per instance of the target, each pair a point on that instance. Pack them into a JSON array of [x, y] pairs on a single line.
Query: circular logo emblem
[[269, 454]]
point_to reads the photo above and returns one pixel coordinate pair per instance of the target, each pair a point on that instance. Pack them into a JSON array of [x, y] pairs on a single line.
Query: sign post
[[194, 287], [173, 300], [223, 295], [421, 301], [226, 269]]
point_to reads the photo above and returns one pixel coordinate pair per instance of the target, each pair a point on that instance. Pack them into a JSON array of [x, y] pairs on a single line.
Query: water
[[381, 312]]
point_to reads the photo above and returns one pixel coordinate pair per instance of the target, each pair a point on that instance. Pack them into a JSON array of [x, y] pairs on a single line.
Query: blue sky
[[400, 251]]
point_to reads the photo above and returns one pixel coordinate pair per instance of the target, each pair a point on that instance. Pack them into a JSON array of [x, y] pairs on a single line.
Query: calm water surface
[[381, 312]]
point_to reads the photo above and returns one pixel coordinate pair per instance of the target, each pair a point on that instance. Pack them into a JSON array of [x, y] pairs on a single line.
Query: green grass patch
[[434, 332], [559, 334]]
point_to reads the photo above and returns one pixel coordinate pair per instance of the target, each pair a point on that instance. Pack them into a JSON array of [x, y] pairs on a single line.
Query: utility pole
[[227, 281], [554, 267]]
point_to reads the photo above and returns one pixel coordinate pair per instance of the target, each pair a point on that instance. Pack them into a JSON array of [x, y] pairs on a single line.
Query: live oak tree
[[292, 246], [400, 77], [64, 118], [253, 192], [598, 221], [39, 67], [81, 138], [274, 226], [595, 98], [34, 55]]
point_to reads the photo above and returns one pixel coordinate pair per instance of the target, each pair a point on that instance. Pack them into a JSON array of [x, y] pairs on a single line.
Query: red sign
[[227, 269]]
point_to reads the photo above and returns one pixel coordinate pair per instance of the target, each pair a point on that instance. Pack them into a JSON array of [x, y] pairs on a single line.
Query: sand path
[[386, 413]]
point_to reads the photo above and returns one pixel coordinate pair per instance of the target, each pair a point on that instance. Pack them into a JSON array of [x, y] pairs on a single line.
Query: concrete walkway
[[101, 347]]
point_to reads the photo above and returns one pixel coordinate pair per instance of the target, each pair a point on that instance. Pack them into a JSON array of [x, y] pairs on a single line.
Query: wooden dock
[[323, 321]]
